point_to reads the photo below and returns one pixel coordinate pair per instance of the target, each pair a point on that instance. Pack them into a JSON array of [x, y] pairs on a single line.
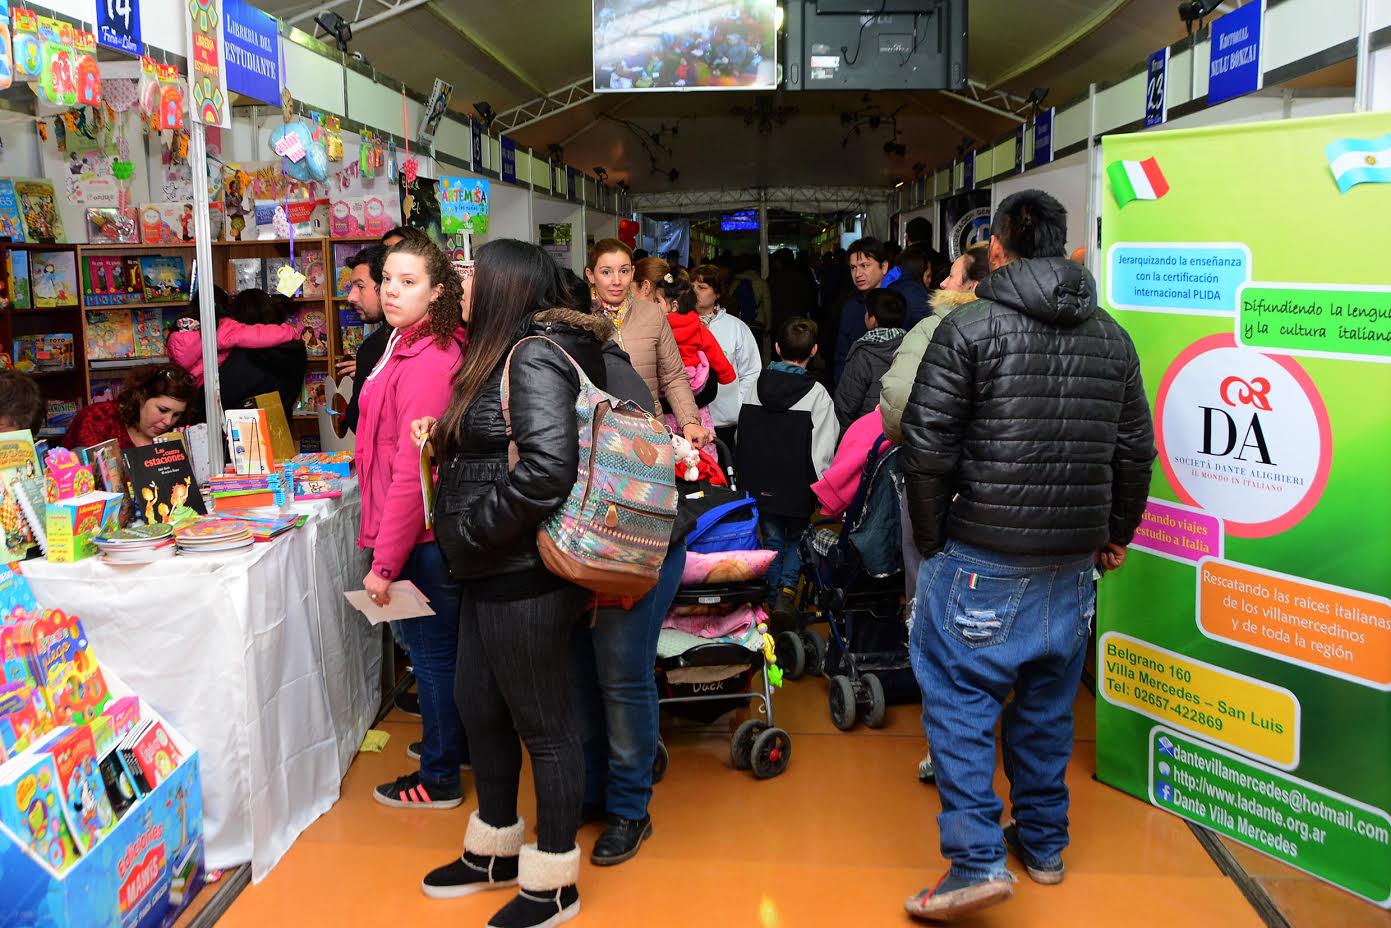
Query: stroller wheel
[[815, 647], [874, 715], [771, 752], [792, 657], [741, 745], [660, 763], [842, 699]]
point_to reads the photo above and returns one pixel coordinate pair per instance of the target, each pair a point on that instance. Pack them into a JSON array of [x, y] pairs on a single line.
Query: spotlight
[[1195, 11], [1036, 97], [600, 173], [335, 26], [486, 113], [673, 175], [623, 186], [557, 152]]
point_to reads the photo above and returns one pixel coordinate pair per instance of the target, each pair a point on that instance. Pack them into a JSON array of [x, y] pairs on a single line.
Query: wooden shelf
[[39, 246], [46, 310], [129, 246], [64, 372], [299, 240], [116, 364], [162, 305]]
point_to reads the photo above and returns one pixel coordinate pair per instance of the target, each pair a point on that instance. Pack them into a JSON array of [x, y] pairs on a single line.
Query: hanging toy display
[[57, 82], [28, 47], [88, 74], [332, 139], [162, 93], [6, 58], [305, 157], [392, 168]]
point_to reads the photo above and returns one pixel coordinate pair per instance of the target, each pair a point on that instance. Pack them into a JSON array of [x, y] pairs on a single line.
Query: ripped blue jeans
[[986, 624]]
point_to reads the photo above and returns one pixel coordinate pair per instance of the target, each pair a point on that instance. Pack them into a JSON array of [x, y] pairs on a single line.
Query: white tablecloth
[[255, 659]]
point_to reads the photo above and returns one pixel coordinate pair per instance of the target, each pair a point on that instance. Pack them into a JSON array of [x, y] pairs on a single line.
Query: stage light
[[600, 173], [485, 112], [336, 26]]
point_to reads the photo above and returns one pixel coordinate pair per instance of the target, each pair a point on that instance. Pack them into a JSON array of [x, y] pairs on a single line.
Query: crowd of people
[[1026, 446], [726, 52]]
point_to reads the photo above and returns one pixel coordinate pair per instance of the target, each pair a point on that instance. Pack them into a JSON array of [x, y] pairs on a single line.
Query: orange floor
[[840, 839]]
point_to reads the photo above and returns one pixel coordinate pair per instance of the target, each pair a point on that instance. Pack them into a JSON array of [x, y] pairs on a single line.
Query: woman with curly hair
[[152, 401], [420, 294]]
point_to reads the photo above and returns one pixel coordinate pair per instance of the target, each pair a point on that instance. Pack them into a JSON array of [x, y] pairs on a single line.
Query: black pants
[[513, 680]]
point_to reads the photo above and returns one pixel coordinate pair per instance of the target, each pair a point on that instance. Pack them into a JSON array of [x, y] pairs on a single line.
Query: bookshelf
[[23, 320]]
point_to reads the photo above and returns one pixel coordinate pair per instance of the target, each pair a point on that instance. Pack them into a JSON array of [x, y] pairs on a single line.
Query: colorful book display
[[111, 280], [38, 210], [165, 279], [159, 480], [53, 277], [18, 461], [110, 334]]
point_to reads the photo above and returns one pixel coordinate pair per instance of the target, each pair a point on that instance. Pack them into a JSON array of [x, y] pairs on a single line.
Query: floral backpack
[[611, 533]]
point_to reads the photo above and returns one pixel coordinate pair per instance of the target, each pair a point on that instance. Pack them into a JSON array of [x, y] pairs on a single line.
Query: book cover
[[247, 274], [165, 278], [15, 593], [314, 396], [23, 717], [72, 524], [282, 443], [30, 806], [156, 754], [105, 461], [159, 480], [110, 334], [166, 223], [312, 324], [151, 336], [249, 441], [21, 293], [105, 388], [18, 461], [65, 669], [311, 265], [11, 225], [107, 280], [342, 271], [53, 278], [273, 266], [110, 225], [85, 803], [38, 210], [52, 351], [351, 330], [58, 414]]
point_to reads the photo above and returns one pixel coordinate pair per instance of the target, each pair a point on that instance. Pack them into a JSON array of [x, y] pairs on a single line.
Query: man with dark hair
[[402, 234], [1027, 454], [871, 357], [787, 438], [869, 262], [918, 231], [365, 297]]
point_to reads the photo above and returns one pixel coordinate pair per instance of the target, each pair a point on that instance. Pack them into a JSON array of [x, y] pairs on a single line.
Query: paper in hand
[[406, 603]]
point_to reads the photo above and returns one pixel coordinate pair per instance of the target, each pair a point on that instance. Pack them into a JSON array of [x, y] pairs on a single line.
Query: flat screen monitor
[[876, 45], [745, 220], [685, 45]]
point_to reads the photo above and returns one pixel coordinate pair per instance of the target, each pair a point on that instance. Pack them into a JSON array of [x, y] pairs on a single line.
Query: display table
[[256, 658]]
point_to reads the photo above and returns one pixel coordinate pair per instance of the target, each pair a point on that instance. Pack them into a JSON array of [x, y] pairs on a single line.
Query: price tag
[[289, 146]]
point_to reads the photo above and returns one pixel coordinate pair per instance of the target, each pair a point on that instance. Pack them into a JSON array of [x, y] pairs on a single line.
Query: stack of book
[[213, 537], [138, 544], [234, 492]]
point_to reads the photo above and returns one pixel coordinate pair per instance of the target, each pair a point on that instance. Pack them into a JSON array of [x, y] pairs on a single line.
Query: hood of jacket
[[582, 335], [944, 301], [686, 326], [779, 391], [1055, 291], [882, 350]]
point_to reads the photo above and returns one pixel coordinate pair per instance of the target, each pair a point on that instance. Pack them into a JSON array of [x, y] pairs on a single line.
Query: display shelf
[[42, 311], [116, 364], [39, 246], [53, 374], [163, 305], [131, 246]]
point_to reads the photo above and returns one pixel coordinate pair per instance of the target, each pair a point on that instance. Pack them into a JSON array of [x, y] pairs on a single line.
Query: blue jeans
[[985, 624], [783, 534], [432, 642], [613, 668]]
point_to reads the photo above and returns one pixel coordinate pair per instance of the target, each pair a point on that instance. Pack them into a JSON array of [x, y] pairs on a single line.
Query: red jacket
[[693, 337]]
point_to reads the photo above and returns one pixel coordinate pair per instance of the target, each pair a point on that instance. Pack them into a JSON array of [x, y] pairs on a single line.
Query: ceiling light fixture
[[336, 26], [1036, 97], [1195, 11], [600, 173], [486, 113]]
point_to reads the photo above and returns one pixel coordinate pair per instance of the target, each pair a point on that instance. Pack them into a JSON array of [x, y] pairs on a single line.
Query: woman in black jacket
[[517, 618]]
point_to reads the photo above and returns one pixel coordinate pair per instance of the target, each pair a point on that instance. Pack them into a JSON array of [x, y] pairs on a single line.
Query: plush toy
[[687, 459]]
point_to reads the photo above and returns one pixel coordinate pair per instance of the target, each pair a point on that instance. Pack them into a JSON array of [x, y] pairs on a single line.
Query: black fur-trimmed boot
[[548, 895], [489, 861]]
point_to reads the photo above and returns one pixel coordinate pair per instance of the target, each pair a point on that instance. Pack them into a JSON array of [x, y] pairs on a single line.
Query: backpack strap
[[712, 517], [585, 383]]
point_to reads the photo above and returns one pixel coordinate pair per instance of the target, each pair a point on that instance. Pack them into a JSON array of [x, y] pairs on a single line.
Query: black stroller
[[854, 577]]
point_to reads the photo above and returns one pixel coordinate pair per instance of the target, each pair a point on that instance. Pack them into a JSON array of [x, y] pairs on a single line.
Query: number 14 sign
[[118, 25]]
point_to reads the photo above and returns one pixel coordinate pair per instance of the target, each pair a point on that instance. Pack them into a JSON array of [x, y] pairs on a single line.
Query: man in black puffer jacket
[[1027, 453]]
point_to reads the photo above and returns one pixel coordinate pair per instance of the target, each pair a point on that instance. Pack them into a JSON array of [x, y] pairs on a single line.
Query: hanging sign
[[476, 132], [509, 160], [968, 171], [1236, 67], [1043, 137], [463, 204], [1019, 148], [252, 42], [1156, 89], [118, 25], [207, 71], [572, 184], [434, 111]]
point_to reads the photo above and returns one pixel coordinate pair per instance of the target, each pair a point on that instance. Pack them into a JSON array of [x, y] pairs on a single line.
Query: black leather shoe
[[620, 841]]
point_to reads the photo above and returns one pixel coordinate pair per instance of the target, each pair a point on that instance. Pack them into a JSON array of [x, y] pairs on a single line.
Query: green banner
[[1244, 663]]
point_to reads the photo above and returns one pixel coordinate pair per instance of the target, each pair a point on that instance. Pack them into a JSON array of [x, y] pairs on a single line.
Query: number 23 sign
[[118, 25]]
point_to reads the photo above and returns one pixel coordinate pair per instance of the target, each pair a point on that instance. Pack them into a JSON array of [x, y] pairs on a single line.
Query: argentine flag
[[1360, 161]]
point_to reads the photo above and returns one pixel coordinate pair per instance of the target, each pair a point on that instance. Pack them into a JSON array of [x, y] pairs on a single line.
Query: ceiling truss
[[1000, 102], [541, 108], [803, 199]]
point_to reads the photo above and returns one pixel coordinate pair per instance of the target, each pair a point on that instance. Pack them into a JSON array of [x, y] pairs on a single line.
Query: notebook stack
[[138, 544], [213, 537]]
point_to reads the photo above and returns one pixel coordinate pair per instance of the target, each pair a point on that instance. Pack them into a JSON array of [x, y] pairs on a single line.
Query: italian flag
[[1136, 180]]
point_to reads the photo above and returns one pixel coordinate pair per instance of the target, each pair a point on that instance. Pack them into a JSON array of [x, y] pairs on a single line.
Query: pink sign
[[1179, 533]]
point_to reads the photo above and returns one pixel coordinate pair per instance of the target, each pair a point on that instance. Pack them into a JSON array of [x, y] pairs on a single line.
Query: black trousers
[[513, 682]]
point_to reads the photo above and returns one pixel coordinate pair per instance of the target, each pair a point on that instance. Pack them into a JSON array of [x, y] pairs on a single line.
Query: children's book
[[105, 388], [166, 223], [105, 461], [49, 352], [282, 443], [53, 278], [31, 806], [247, 274], [85, 803], [38, 210], [65, 669], [23, 717], [314, 396], [58, 414], [249, 441], [11, 224], [111, 280], [151, 337], [165, 278], [71, 524], [311, 265], [156, 753], [312, 324], [18, 461], [110, 334], [342, 273], [21, 291], [159, 479], [351, 330], [272, 271], [33, 505]]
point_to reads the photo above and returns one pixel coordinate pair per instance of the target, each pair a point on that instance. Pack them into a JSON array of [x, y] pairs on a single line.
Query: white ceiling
[[509, 53]]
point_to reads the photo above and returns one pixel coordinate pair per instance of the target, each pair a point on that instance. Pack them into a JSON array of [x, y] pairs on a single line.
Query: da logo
[[1243, 435]]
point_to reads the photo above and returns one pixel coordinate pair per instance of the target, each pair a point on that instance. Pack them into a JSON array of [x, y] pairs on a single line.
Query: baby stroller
[[855, 579], [713, 663]]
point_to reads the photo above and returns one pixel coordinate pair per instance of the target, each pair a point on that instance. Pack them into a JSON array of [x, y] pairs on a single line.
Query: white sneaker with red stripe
[[410, 792]]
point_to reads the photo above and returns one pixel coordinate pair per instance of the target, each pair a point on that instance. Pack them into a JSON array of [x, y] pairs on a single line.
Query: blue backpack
[[731, 526]]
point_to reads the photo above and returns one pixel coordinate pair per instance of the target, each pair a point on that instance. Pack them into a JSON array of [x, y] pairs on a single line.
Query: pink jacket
[[415, 382], [837, 488], [186, 345]]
